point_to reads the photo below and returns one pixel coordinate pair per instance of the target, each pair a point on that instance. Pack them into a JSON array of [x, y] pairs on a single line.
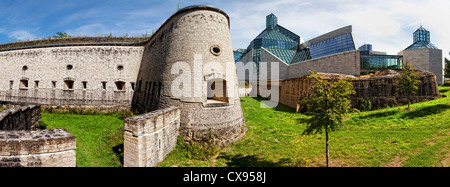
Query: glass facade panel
[[286, 45], [301, 55], [421, 45], [285, 55], [238, 54], [377, 62], [422, 35], [334, 45]]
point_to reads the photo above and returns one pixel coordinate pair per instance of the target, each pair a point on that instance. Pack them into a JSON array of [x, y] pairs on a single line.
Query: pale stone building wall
[[344, 63], [141, 76], [42, 75], [199, 39], [426, 59]]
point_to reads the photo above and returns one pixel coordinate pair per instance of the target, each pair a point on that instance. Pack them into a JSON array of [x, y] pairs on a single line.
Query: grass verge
[[383, 138], [99, 137]]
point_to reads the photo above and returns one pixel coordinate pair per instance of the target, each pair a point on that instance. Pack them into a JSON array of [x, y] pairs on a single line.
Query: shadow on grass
[[118, 150], [379, 114], [429, 110], [444, 91], [253, 161], [279, 107]]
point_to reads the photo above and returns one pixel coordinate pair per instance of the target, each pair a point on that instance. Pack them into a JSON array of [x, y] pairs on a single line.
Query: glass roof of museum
[[421, 38], [285, 44], [421, 45]]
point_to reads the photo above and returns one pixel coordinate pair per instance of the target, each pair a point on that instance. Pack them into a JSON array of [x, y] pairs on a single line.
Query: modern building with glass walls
[[372, 61], [291, 48], [334, 52], [421, 39], [423, 55]]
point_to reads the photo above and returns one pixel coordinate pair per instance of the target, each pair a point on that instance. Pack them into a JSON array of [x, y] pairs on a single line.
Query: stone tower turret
[[189, 63]]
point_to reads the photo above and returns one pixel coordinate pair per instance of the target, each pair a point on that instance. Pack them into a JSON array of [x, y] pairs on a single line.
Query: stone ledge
[[149, 122], [35, 142]]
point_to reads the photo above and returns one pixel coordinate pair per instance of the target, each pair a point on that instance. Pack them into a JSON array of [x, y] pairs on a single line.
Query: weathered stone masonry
[[19, 117], [190, 36], [380, 90], [148, 138], [140, 77], [71, 75], [21, 147]]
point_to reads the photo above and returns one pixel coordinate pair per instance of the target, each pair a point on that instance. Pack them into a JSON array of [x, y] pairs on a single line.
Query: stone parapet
[[46, 148], [148, 138]]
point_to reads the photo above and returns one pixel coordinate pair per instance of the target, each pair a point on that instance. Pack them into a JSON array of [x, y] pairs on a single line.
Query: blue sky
[[387, 24]]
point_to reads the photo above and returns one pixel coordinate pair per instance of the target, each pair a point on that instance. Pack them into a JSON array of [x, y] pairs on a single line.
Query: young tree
[[329, 105], [408, 81]]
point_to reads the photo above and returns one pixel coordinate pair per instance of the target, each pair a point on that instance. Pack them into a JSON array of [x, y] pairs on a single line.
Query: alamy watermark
[[217, 80]]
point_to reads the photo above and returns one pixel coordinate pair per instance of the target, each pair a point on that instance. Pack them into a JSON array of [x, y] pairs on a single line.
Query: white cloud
[[21, 35], [387, 24], [89, 30]]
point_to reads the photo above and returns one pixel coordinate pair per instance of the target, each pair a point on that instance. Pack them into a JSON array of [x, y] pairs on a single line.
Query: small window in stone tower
[[36, 84], [140, 85], [120, 67], [54, 84], [215, 50], [11, 84], [23, 84], [217, 90], [132, 85], [24, 68], [104, 85], [68, 85], [84, 84], [120, 85], [69, 67]]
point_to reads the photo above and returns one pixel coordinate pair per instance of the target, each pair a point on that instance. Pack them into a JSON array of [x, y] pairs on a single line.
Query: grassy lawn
[[99, 137], [418, 137]]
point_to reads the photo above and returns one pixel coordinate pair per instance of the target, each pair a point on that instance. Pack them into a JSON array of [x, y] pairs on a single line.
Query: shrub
[[363, 105]]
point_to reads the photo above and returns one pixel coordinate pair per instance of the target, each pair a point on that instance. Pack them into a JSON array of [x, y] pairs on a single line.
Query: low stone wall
[[148, 138], [22, 147], [380, 90], [46, 148], [17, 117]]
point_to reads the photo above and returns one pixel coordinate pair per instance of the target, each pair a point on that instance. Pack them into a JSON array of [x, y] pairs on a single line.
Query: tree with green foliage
[[447, 68], [408, 81], [62, 35], [329, 105]]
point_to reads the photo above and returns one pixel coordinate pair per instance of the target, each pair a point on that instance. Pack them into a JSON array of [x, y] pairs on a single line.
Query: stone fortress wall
[[73, 75], [197, 36], [139, 77]]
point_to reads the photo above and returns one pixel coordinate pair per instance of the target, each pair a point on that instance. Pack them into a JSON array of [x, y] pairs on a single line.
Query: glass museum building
[[333, 52]]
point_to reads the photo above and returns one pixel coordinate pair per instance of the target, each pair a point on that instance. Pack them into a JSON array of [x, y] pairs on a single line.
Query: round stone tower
[[189, 63]]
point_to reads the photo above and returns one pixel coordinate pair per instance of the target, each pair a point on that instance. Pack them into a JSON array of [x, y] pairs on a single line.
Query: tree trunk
[[328, 151]]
